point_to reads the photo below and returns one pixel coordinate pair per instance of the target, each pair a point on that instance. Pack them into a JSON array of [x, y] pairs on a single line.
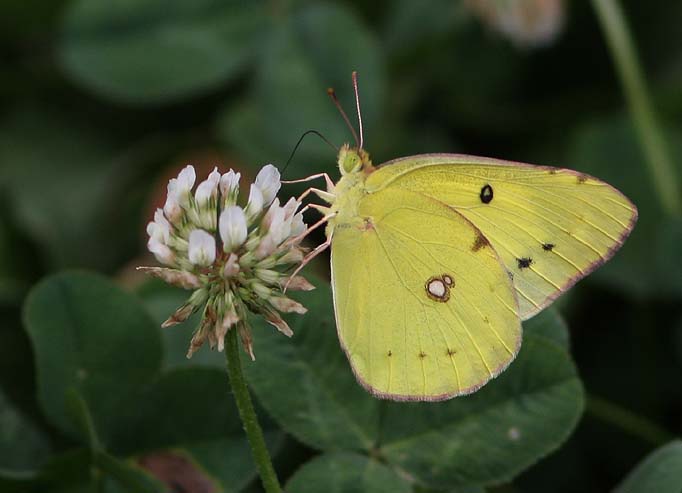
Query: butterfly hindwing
[[425, 308], [550, 226]]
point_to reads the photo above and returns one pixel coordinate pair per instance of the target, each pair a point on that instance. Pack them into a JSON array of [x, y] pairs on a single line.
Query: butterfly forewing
[[425, 307], [550, 226]]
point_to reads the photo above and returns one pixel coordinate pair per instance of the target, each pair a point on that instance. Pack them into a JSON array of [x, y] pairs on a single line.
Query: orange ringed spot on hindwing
[[438, 287]]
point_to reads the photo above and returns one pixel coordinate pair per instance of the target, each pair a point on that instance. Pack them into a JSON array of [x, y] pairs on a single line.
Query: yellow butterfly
[[437, 258]]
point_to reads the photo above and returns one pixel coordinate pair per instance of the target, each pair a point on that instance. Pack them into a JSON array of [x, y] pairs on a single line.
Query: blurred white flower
[[528, 23]]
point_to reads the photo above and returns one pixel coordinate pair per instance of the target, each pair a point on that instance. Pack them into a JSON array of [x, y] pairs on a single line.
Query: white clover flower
[[298, 227], [255, 204], [201, 248], [268, 181], [172, 208], [207, 189], [229, 187], [232, 226], [162, 252], [185, 182], [236, 258]]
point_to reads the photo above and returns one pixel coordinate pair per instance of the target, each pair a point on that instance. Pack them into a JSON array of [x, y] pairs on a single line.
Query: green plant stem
[[248, 415], [626, 420], [648, 128]]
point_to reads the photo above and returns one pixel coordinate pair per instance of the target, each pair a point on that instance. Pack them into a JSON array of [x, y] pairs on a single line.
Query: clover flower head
[[235, 258]]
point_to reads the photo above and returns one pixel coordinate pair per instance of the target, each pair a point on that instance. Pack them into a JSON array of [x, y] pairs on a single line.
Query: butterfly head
[[352, 160]]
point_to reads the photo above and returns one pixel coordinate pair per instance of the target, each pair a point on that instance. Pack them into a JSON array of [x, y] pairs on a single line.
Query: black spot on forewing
[[390, 353], [548, 247], [486, 194], [422, 355], [582, 178], [524, 262]]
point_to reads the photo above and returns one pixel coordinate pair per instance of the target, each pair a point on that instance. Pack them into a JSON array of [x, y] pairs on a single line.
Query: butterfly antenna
[[357, 105], [303, 136], [335, 100]]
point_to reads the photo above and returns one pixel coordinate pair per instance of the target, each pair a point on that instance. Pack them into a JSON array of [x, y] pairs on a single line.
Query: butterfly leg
[[326, 196], [319, 223], [327, 180], [318, 249], [322, 209]]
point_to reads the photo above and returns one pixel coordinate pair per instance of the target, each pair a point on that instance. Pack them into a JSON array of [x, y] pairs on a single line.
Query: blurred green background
[[102, 102]]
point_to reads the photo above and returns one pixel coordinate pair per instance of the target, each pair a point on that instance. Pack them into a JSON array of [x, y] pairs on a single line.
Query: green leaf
[[494, 434], [161, 300], [90, 335], [190, 412], [153, 51], [61, 206], [328, 410], [549, 324], [23, 447], [346, 473], [484, 438], [661, 472], [315, 48], [127, 476]]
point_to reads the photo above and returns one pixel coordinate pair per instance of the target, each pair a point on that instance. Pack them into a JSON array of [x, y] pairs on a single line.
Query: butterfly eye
[[486, 194]]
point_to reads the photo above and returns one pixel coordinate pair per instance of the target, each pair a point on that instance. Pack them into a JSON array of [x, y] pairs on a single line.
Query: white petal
[[229, 182], [232, 227], [231, 266], [162, 253], [186, 180], [284, 230], [268, 180], [172, 208], [207, 188], [201, 248], [255, 204], [266, 246], [267, 218], [276, 222], [163, 226], [298, 227], [290, 207]]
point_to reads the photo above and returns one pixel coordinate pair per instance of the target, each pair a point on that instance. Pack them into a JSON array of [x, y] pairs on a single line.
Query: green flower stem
[[651, 136], [248, 415], [626, 420]]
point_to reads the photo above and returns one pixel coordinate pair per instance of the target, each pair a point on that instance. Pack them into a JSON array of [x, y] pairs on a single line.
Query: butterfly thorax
[[355, 165]]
